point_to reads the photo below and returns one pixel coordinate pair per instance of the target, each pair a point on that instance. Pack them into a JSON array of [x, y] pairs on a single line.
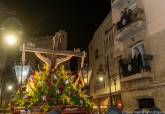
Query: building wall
[[152, 36], [103, 40], [96, 43], [157, 44], [154, 11]]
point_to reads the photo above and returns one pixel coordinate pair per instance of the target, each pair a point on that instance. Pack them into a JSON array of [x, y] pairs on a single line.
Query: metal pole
[[109, 76], [1, 90], [22, 64], [87, 78]]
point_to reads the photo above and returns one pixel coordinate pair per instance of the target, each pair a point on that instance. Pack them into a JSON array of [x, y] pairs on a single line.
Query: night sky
[[79, 18]]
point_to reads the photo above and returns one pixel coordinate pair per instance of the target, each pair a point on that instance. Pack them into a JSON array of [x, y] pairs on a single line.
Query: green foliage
[[46, 89]]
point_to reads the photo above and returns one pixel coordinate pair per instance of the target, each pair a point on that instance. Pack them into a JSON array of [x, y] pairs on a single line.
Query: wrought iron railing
[[132, 66], [129, 17]]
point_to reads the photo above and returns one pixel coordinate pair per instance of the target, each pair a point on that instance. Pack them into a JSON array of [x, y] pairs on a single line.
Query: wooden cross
[[54, 52]]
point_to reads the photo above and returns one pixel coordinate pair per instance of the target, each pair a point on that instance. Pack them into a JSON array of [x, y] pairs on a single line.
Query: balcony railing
[[142, 75], [130, 24], [131, 69]]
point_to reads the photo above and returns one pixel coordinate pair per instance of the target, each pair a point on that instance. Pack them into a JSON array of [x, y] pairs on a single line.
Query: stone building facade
[[105, 81], [140, 43]]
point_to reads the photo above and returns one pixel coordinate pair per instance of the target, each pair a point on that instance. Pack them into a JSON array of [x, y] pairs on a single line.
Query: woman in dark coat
[[137, 61]]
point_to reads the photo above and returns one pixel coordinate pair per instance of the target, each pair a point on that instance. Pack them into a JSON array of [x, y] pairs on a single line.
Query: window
[[109, 40], [135, 62], [146, 103], [115, 82], [96, 53]]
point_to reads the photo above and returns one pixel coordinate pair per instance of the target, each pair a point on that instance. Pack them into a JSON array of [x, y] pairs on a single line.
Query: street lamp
[[10, 87], [101, 78], [10, 39], [100, 74], [86, 74], [20, 70], [101, 82]]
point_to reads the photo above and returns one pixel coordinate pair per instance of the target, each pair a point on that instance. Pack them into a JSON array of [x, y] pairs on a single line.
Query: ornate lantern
[[21, 73], [86, 74]]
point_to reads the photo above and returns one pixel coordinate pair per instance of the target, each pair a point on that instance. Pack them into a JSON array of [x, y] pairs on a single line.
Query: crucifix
[[54, 60], [51, 57]]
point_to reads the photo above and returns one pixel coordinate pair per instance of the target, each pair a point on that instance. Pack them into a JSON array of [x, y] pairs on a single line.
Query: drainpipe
[[108, 71]]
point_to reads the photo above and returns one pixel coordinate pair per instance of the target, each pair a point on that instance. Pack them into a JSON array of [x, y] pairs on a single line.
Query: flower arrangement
[[45, 89]]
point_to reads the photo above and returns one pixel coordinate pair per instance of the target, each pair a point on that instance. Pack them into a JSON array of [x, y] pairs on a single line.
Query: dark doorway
[[146, 103]]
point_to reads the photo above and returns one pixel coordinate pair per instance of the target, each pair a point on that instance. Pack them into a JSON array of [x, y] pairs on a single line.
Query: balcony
[[133, 69], [138, 76], [130, 24]]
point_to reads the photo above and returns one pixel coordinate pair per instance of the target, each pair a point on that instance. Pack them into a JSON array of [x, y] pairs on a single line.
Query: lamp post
[[100, 74], [20, 70], [100, 77], [109, 78]]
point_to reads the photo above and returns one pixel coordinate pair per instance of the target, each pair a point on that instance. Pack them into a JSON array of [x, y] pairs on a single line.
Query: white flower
[[67, 81], [86, 95], [55, 77], [43, 97], [69, 93], [57, 91], [81, 102]]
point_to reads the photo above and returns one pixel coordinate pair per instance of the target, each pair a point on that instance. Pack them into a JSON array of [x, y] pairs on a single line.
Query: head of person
[[122, 14], [129, 11], [126, 10]]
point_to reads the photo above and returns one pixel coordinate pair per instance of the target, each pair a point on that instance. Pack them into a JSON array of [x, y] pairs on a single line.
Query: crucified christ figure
[[54, 61]]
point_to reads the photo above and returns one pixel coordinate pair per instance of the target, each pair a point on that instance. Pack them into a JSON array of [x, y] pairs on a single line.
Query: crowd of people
[[127, 16]]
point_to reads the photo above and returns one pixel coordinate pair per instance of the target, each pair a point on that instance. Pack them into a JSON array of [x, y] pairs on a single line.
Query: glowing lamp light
[[101, 79], [10, 87], [100, 74], [86, 74], [85, 80], [10, 39], [21, 73]]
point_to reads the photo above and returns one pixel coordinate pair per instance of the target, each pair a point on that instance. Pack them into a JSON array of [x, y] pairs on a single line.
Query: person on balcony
[[134, 16], [129, 16], [122, 21], [138, 62], [125, 18], [126, 15]]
